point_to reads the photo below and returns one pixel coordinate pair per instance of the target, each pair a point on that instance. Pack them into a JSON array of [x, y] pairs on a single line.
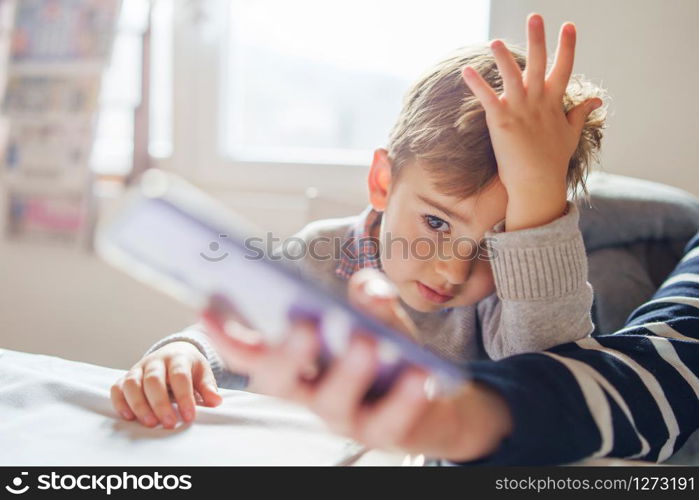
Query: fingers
[[281, 373], [179, 376], [536, 55], [238, 355], [578, 115], [367, 285], [562, 68], [482, 90], [132, 387], [516, 86], [205, 384], [119, 402], [370, 291], [389, 422], [388, 311], [509, 70], [338, 398], [511, 77], [220, 307], [145, 391], [156, 392]]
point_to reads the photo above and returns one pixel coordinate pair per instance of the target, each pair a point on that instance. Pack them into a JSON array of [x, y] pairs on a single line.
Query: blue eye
[[436, 224]]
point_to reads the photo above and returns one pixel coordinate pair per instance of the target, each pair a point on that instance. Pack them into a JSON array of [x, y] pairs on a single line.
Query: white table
[[58, 412]]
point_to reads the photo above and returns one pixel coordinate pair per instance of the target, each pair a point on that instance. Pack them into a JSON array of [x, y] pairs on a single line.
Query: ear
[[379, 179]]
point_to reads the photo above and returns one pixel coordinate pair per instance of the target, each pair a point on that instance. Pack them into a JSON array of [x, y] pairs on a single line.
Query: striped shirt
[[632, 394]]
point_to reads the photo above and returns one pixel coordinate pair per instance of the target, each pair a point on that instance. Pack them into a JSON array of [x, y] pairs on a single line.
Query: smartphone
[[176, 238]]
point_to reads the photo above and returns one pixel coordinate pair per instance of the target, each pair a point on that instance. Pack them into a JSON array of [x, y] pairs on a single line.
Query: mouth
[[433, 295]]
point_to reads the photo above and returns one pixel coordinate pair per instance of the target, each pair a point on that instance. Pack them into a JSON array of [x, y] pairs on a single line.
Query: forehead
[[486, 205]]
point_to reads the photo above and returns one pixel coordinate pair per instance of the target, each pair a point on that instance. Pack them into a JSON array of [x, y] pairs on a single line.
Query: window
[[121, 93], [305, 82], [160, 119], [313, 81]]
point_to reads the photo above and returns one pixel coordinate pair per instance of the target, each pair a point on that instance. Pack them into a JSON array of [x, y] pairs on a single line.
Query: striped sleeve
[[633, 394]]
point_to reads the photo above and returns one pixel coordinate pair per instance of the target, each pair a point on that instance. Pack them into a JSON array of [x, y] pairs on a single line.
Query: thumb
[[205, 384], [578, 115], [370, 291]]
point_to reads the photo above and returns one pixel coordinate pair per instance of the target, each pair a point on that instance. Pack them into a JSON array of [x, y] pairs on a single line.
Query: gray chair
[[634, 232]]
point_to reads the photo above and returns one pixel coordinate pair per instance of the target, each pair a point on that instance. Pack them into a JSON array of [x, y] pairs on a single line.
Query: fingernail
[[168, 422], [431, 387], [126, 415], [188, 415], [150, 420]]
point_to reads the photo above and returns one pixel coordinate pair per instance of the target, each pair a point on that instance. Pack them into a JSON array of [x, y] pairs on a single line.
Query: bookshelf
[[54, 54]]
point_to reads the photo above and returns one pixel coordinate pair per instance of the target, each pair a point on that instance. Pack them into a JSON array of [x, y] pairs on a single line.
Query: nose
[[455, 270], [455, 259]]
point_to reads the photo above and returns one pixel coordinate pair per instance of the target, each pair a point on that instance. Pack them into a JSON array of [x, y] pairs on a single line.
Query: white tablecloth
[[58, 412]]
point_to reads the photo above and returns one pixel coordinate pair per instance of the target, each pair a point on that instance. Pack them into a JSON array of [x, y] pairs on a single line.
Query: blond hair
[[442, 125]]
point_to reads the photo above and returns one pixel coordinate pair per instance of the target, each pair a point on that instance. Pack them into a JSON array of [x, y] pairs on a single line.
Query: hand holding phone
[[296, 368], [244, 350], [464, 425]]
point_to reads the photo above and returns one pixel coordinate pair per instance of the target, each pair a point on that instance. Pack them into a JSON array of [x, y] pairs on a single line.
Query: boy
[[480, 152]]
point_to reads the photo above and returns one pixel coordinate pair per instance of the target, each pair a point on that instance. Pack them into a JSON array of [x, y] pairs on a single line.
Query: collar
[[359, 248]]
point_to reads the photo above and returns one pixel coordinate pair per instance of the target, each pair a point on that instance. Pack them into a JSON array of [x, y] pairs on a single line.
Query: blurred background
[[273, 107]]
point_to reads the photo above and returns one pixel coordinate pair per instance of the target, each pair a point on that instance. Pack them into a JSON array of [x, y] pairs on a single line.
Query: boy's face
[[429, 241]]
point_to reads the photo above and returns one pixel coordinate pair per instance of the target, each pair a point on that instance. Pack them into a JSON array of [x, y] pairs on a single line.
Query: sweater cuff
[[540, 262], [194, 335]]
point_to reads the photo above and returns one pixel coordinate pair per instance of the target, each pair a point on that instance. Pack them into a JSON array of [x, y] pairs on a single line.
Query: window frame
[[196, 147], [197, 151]]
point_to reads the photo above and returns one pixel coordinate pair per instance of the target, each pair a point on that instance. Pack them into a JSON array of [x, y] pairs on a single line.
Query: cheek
[[397, 259]]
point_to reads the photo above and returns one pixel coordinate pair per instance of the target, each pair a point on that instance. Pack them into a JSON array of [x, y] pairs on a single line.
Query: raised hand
[[532, 136]]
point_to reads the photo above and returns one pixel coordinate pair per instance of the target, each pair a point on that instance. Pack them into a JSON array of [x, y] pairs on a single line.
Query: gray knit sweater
[[542, 296]]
